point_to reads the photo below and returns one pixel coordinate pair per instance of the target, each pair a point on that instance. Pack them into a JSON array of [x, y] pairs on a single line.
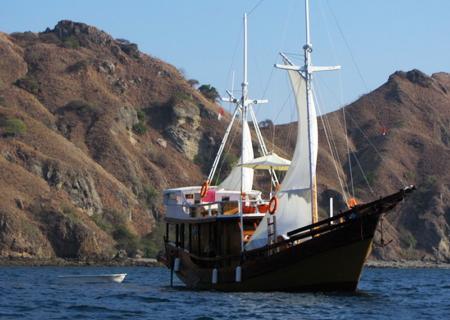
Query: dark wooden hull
[[323, 257]]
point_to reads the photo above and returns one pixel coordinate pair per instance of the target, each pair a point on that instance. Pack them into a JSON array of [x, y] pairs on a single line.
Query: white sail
[[233, 181], [294, 199]]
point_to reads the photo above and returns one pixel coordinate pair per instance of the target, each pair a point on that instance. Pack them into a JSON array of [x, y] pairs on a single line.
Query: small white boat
[[116, 277]]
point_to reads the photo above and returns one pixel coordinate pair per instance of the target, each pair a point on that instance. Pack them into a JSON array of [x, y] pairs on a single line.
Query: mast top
[[308, 35]]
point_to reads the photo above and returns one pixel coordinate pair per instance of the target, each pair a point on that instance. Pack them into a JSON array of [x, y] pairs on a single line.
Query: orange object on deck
[[248, 209], [352, 202], [204, 188], [262, 208]]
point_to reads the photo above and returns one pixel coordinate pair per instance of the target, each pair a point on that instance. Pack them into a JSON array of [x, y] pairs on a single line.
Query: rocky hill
[[91, 130], [400, 135]]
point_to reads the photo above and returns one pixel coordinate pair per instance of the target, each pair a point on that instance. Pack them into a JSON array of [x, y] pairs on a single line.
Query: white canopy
[[267, 162]]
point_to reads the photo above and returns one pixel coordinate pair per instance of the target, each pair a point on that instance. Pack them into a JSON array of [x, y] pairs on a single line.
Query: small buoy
[[238, 274], [176, 265], [214, 276]]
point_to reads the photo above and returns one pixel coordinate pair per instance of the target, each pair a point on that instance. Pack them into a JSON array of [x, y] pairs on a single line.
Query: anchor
[[382, 243]]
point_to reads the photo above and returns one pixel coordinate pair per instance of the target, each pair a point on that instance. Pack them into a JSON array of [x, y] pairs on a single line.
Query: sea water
[[38, 293]]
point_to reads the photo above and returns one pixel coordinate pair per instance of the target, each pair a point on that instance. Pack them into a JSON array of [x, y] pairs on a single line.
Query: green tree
[[209, 92]]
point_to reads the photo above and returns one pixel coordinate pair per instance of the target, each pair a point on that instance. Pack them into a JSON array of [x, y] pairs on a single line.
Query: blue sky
[[204, 38]]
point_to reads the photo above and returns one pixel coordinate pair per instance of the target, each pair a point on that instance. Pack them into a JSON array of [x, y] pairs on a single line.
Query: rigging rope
[[226, 152], [365, 87], [282, 42], [341, 95], [276, 118], [354, 155], [255, 7], [342, 184], [363, 174]]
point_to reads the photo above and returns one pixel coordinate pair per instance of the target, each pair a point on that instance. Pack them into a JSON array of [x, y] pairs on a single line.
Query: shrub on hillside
[[152, 243], [126, 240], [29, 84], [150, 196], [78, 66], [179, 97], [71, 42], [81, 107], [209, 92], [115, 223], [140, 115], [12, 127], [140, 128]]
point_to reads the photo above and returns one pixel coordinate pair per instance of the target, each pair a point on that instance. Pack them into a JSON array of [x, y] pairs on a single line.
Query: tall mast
[[308, 73], [244, 102]]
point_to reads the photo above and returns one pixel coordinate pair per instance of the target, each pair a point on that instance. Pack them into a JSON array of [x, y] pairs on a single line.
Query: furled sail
[[233, 181], [294, 198]]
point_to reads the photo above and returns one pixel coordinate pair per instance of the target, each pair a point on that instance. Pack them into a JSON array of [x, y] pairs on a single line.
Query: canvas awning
[[270, 161]]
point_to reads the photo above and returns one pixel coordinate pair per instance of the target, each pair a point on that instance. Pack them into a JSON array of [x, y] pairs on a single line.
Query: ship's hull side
[[332, 261], [327, 255]]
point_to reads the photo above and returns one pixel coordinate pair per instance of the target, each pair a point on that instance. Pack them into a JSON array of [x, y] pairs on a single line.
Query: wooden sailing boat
[[229, 238]]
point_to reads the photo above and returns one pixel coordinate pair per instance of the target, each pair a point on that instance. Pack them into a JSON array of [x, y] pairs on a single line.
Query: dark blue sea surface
[[38, 293]]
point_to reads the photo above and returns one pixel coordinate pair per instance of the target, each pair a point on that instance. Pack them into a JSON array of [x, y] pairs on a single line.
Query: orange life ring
[[204, 188], [273, 205]]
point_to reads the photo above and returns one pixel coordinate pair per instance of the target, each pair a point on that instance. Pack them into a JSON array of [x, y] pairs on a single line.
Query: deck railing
[[220, 208]]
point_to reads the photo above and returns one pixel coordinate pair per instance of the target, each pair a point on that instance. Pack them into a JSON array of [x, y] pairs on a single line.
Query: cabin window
[[171, 198]]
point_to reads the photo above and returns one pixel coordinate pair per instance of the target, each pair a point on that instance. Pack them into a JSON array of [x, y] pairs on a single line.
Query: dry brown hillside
[[91, 130], [400, 134]]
